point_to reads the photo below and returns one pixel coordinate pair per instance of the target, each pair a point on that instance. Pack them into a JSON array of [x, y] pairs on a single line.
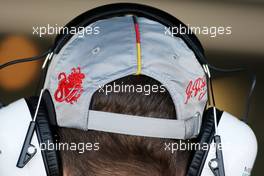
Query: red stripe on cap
[[136, 29], [137, 33]]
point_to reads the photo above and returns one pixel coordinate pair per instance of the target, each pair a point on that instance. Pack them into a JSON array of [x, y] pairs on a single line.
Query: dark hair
[[121, 155]]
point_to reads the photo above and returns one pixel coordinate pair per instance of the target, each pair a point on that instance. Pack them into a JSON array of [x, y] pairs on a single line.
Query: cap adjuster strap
[[143, 126]]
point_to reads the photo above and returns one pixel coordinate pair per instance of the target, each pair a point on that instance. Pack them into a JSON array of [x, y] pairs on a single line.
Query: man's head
[[118, 154]]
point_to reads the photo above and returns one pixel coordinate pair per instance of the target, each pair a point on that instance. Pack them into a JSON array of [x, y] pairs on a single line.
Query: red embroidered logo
[[70, 87], [196, 88]]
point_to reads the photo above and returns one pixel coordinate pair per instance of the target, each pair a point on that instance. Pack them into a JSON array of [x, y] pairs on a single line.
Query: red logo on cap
[[196, 88], [70, 87]]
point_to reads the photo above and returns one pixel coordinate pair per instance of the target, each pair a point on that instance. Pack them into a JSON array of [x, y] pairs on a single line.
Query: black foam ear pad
[[205, 137], [46, 134]]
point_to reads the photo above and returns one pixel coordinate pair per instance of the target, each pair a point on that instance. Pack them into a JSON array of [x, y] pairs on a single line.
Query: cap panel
[[85, 64], [170, 61]]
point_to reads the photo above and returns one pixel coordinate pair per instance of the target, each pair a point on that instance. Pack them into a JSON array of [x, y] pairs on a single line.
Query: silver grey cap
[[87, 63]]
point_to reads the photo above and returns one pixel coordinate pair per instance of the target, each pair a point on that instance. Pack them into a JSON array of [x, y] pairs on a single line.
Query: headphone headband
[[119, 9]]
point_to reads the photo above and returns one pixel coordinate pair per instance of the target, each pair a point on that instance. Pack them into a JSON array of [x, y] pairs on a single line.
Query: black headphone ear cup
[[46, 135], [205, 137]]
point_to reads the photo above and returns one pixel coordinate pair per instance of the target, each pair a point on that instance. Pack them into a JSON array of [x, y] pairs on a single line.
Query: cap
[[117, 47]]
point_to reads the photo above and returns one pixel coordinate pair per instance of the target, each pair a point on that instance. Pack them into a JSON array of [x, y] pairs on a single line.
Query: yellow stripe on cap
[[138, 59]]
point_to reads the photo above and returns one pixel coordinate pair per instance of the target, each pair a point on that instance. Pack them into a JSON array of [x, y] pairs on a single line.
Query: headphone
[[42, 111]]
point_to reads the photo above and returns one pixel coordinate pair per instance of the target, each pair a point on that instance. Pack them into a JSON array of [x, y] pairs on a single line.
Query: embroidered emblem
[[196, 88], [70, 87]]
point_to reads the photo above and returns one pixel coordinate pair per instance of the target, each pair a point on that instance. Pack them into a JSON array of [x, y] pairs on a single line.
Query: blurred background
[[243, 48]]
